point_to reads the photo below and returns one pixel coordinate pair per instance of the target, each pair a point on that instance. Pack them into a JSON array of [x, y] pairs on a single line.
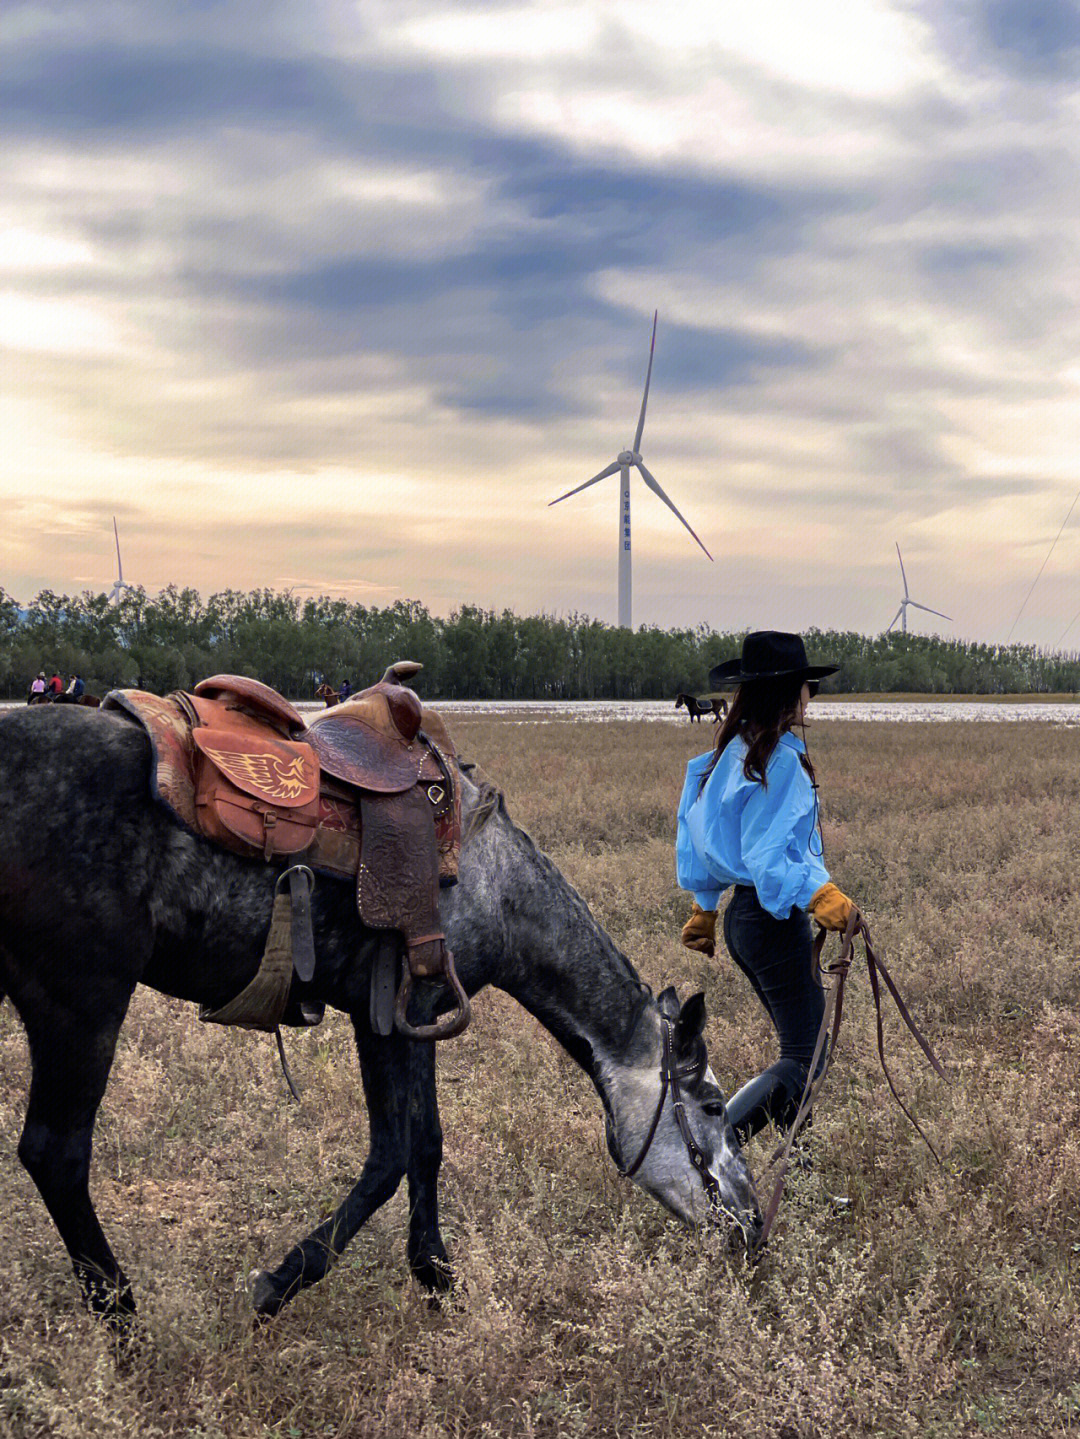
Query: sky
[[338, 297]]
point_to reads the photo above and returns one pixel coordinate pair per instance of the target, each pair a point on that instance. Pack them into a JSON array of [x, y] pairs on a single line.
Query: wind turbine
[[120, 584], [901, 613], [621, 465]]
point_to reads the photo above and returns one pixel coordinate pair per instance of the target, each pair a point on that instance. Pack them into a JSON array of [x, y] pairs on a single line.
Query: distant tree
[[175, 638]]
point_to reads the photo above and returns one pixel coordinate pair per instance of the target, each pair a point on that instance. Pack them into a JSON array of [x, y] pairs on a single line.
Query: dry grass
[[938, 1303]]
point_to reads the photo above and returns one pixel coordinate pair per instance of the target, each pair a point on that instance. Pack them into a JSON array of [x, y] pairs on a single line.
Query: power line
[[1069, 626], [1045, 562]]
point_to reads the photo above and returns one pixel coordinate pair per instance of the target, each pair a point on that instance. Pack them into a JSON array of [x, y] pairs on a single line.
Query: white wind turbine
[[120, 584], [901, 613], [621, 465]]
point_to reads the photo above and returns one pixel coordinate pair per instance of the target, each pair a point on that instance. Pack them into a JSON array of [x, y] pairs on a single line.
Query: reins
[[830, 1029]]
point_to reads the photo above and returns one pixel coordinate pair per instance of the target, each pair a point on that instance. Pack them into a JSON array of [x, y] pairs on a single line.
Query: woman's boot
[[768, 1098]]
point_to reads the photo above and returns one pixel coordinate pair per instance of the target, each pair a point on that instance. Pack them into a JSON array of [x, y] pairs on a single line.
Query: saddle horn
[[400, 671]]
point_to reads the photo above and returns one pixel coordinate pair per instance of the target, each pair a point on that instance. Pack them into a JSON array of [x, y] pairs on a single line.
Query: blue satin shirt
[[739, 831]]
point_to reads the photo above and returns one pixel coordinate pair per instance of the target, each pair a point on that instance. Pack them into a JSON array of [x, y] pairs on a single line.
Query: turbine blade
[[612, 469], [900, 557], [916, 606], [119, 566], [895, 617], [652, 484], [645, 397]]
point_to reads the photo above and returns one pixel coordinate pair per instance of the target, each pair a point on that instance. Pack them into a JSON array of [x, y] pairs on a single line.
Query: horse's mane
[[489, 799]]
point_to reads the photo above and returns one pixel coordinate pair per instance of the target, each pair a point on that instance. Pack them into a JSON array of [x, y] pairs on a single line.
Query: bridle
[[670, 1076]]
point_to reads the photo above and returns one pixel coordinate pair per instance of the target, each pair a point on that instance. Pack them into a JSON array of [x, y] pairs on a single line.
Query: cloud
[[1041, 40], [403, 262]]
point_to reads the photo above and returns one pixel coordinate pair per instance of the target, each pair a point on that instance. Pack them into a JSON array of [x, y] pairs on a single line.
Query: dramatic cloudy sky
[[337, 296]]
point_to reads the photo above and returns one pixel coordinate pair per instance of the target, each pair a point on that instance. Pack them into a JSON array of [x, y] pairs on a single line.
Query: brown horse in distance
[[328, 694], [715, 708]]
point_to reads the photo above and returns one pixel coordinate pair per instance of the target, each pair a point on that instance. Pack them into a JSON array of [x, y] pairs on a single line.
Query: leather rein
[[830, 1027], [670, 1077]]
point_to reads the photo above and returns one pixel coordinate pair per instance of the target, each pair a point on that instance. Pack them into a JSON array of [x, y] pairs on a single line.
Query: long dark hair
[[760, 713]]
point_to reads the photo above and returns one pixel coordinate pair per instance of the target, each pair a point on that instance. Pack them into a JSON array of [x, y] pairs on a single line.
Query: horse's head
[[680, 700], [668, 1128]]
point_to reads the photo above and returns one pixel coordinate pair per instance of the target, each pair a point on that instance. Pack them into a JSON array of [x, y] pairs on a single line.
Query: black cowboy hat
[[766, 655]]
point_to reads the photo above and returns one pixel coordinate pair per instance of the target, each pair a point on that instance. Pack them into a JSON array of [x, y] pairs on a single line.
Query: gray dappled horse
[[100, 890]]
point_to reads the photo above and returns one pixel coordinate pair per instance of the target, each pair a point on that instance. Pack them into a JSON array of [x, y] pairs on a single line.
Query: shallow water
[[663, 711]]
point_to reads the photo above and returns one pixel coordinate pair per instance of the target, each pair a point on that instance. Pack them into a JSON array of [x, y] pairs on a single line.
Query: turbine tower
[[621, 465], [901, 613], [120, 584]]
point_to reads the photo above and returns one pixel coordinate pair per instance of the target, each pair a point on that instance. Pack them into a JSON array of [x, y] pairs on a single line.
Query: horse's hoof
[[265, 1299]]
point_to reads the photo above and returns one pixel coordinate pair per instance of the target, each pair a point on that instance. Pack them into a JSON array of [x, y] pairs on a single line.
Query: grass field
[[937, 1302]]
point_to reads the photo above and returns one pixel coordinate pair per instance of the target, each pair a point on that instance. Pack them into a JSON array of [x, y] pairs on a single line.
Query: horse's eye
[[714, 1109]]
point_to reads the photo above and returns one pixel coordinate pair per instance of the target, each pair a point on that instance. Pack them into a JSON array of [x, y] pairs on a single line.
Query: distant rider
[[76, 687], [748, 818], [37, 688], [345, 691]]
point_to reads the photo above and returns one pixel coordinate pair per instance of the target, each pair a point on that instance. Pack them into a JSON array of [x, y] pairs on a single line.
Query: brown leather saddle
[[367, 791]]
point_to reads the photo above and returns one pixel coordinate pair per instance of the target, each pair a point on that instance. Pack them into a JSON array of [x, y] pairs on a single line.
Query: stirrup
[[446, 1028]]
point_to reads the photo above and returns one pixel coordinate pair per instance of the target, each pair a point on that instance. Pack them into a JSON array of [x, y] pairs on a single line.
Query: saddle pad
[[171, 750]]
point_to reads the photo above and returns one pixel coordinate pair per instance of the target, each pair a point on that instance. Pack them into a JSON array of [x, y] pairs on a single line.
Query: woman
[[748, 817]]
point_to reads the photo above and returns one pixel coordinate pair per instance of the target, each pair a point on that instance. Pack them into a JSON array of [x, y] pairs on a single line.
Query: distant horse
[[88, 701], [695, 709], [104, 891], [328, 694]]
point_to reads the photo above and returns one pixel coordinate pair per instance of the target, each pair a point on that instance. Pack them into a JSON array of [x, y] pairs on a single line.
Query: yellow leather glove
[[699, 931], [831, 907]]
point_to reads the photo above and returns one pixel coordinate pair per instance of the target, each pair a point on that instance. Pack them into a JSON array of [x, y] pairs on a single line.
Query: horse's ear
[[668, 1002], [692, 1018]]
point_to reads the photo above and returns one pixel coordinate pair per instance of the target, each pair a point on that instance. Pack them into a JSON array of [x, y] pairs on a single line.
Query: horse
[[328, 694], [695, 709], [92, 866], [88, 701]]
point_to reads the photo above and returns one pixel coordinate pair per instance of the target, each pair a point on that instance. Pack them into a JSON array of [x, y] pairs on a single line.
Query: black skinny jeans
[[776, 957]]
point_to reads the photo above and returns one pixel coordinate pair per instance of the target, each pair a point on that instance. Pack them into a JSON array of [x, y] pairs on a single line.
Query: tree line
[[174, 639]]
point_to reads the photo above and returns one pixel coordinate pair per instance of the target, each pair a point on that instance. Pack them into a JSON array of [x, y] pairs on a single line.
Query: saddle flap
[[397, 884], [260, 765]]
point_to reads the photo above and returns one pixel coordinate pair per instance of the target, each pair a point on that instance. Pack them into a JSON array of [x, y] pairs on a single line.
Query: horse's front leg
[[428, 1259], [384, 1068]]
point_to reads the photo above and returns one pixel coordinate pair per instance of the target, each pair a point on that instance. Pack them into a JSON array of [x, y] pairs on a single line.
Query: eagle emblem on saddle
[[263, 772]]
